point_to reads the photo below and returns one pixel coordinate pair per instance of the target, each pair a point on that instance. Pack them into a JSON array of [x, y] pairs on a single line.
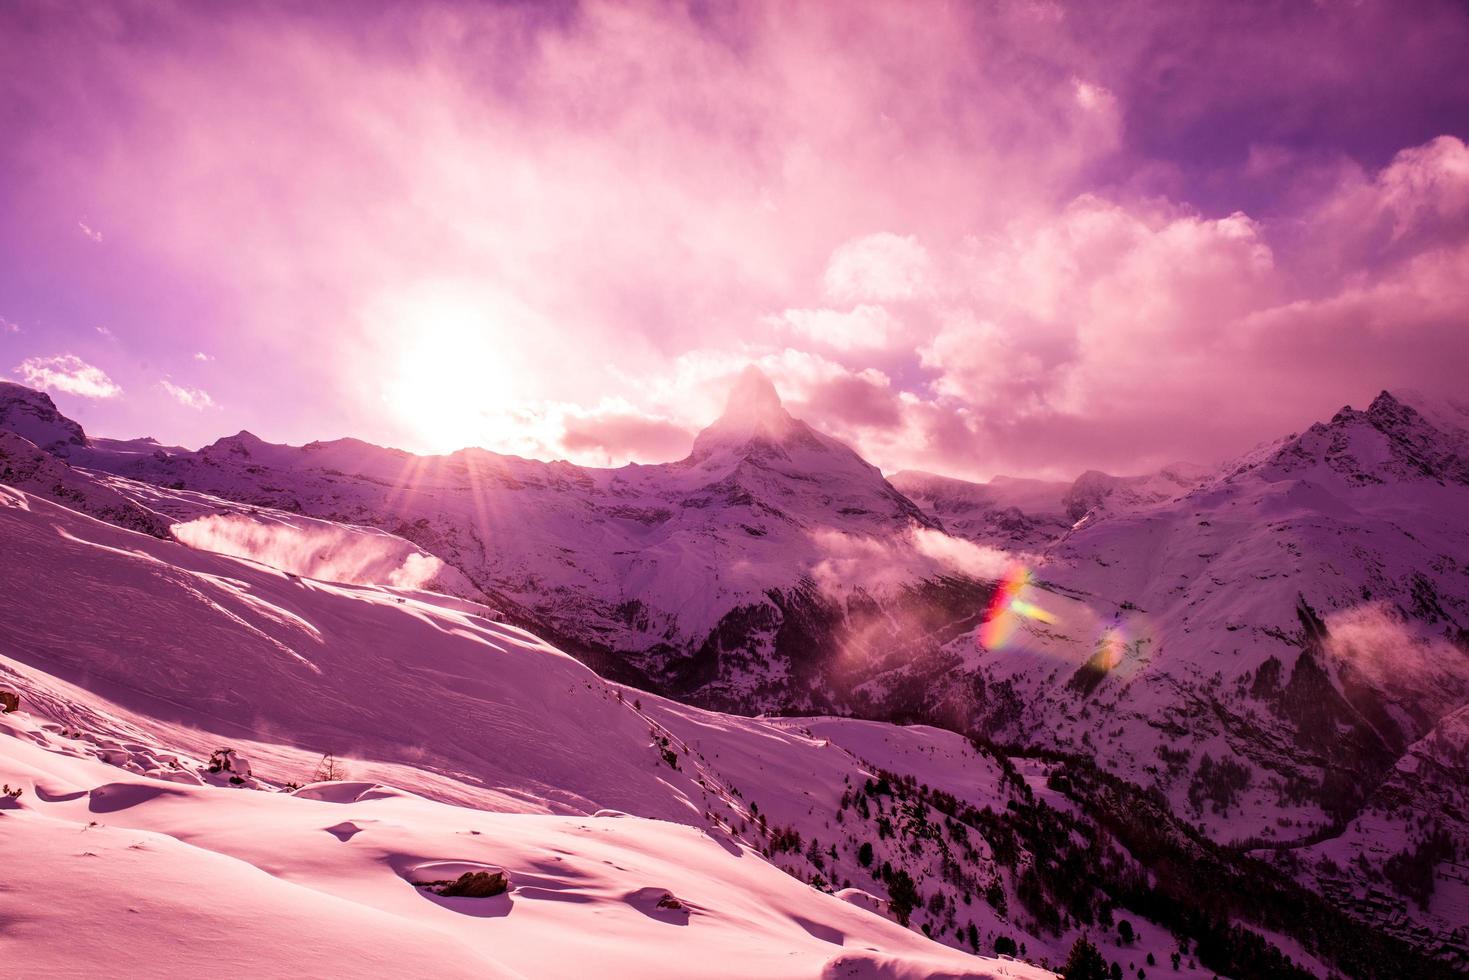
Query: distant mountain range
[[1278, 648]]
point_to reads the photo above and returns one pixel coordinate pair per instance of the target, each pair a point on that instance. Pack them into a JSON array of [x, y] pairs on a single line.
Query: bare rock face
[[471, 884], [34, 415], [9, 701], [27, 466]]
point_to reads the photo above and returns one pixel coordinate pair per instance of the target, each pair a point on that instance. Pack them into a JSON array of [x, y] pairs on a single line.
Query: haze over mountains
[[1273, 651]]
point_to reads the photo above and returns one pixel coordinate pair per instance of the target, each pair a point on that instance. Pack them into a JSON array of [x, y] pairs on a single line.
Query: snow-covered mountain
[[1028, 515], [32, 415], [1095, 492], [1007, 512], [1276, 648], [745, 575], [212, 758], [1281, 650]]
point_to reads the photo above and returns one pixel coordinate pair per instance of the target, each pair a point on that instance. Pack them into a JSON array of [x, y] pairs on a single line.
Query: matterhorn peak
[[753, 398], [754, 418]]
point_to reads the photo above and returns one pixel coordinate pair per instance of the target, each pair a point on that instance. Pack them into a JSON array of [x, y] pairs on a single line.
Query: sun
[[451, 376]]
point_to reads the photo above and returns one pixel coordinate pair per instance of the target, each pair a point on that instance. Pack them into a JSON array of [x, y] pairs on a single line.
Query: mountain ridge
[[1272, 648]]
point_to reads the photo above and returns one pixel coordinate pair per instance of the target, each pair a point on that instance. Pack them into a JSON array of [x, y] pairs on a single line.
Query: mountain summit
[[33, 415], [753, 414], [1389, 442], [754, 397]]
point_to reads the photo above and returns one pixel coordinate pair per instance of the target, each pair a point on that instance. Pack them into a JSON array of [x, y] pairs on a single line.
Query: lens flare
[[1110, 648], [1007, 610]]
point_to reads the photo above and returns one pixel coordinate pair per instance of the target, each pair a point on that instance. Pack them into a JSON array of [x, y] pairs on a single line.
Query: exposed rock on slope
[[32, 415], [24, 465]]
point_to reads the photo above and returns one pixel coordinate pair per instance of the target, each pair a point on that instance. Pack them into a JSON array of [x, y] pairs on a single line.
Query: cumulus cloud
[[67, 373], [848, 400], [195, 398], [1008, 237], [624, 435], [1061, 339], [880, 268], [1096, 307], [1426, 184], [1365, 222], [864, 327], [1052, 346]]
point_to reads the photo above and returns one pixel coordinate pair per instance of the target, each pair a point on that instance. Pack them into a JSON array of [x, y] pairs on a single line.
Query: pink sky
[[1007, 237]]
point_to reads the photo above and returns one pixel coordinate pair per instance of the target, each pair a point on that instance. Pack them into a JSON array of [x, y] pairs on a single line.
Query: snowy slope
[[136, 659], [149, 657], [143, 875]]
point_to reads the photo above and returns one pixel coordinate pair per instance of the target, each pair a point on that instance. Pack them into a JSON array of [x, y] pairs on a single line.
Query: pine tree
[[1085, 962], [903, 895]]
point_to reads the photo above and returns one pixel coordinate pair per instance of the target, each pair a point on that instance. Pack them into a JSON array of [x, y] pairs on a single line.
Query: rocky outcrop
[[28, 467]]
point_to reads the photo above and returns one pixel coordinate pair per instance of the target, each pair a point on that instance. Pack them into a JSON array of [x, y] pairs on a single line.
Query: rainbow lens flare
[[1110, 648], [1007, 610]]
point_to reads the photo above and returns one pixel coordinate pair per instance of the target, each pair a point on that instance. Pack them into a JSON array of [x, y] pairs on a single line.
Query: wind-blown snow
[[324, 551]]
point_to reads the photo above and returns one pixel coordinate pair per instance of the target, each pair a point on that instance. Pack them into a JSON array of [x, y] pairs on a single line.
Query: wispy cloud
[[195, 398], [89, 231], [8, 326], [201, 356], [68, 373], [106, 332]]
